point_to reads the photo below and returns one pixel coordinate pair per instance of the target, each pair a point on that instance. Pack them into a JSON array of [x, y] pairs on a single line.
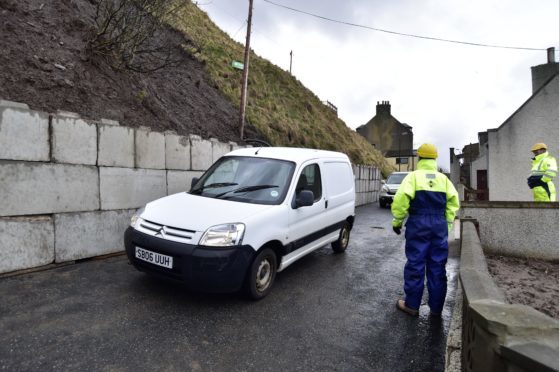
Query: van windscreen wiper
[[214, 185], [246, 189]]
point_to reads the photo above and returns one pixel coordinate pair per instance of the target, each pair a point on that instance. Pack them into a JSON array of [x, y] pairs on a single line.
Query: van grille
[[166, 232]]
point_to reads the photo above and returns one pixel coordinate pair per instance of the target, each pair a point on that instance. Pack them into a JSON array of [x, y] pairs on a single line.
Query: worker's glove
[[397, 230]]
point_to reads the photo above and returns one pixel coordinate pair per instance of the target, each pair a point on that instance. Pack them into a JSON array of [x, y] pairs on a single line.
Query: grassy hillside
[[279, 106]]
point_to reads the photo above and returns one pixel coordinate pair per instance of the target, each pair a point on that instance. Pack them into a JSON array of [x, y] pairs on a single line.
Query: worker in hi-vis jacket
[[430, 201]]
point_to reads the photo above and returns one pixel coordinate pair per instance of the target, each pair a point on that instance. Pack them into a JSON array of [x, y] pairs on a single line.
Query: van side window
[[310, 180]]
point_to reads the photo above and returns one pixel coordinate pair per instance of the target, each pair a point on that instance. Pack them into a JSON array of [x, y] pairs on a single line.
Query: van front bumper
[[201, 268]]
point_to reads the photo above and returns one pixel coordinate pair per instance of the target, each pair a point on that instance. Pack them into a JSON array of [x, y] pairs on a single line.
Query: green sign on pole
[[238, 65]]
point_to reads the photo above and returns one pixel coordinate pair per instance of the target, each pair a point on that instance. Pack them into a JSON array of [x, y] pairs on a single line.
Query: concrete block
[[150, 149], [179, 181], [73, 141], [26, 242], [116, 146], [177, 152], [201, 153], [125, 188], [39, 188], [90, 234], [68, 114], [24, 134], [219, 149]]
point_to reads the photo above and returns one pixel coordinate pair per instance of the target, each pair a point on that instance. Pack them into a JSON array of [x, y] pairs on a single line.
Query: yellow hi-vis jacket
[[544, 165], [433, 187]]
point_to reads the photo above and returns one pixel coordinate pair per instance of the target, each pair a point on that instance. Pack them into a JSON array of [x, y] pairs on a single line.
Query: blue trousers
[[426, 253]]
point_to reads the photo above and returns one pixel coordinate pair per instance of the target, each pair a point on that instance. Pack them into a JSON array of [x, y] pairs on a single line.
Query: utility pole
[[245, 70], [290, 61]]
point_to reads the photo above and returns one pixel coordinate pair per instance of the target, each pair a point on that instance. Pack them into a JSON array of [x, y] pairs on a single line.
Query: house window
[[402, 160]]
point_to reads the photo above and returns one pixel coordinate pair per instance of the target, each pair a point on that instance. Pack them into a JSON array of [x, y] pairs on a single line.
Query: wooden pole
[[245, 71], [290, 61]]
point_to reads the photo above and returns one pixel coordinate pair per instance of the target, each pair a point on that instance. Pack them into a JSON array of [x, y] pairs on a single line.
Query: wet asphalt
[[326, 312]]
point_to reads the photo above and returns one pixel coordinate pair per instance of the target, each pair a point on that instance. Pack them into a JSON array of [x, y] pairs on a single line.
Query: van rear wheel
[[261, 275], [340, 245]]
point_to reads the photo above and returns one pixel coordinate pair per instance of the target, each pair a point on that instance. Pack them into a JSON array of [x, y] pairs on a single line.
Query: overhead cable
[[401, 33]]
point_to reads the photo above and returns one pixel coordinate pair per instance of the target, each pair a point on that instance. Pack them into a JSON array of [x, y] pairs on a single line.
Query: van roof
[[297, 155]]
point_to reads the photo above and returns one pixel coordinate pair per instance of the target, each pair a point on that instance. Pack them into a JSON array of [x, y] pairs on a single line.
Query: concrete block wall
[[367, 184], [69, 185]]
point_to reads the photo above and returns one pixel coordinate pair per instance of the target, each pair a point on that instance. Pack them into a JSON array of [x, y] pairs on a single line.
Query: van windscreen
[[246, 179]]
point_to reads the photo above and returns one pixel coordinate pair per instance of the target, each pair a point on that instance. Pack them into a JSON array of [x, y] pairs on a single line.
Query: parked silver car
[[389, 188]]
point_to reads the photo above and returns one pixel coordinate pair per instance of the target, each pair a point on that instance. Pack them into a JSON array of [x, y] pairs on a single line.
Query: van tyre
[[261, 275], [340, 245]]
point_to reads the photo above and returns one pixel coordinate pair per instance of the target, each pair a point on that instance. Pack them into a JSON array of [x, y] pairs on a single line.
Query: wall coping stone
[[67, 114], [509, 204], [504, 319], [12, 104], [195, 137], [547, 363], [109, 122]]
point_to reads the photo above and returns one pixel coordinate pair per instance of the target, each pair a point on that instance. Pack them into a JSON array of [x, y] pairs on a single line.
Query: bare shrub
[[129, 35]]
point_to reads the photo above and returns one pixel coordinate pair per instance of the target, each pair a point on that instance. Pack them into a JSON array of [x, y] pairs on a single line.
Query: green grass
[[279, 106]]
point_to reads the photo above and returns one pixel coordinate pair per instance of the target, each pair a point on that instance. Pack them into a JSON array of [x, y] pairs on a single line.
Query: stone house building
[[393, 138], [504, 159]]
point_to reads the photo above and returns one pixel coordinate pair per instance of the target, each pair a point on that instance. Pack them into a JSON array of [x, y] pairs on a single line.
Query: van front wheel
[[340, 245], [261, 275]]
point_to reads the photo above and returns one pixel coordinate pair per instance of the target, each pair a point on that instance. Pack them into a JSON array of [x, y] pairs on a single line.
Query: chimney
[[542, 73], [383, 108], [551, 55]]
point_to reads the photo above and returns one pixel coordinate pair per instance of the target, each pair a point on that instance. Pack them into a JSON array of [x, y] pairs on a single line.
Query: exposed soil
[[528, 282], [45, 64]]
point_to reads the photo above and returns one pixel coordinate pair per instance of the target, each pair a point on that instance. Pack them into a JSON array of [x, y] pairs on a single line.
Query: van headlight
[[135, 219], [225, 235], [385, 188]]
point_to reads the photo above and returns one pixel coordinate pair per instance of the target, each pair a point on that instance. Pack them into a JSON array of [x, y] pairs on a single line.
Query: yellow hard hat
[[427, 151], [539, 146]]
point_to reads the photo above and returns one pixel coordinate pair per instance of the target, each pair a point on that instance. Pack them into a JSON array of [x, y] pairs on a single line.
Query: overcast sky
[[447, 92]]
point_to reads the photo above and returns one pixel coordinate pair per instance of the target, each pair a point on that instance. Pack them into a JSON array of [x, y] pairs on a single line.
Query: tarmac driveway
[[326, 312]]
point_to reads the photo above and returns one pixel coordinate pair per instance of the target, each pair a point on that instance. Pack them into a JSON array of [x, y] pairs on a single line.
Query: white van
[[252, 214]]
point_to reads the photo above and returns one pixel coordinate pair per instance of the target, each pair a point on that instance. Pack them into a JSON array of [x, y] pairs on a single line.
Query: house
[[392, 138], [504, 159]]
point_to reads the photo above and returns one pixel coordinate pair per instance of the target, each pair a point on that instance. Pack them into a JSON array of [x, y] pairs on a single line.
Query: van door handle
[[325, 203]]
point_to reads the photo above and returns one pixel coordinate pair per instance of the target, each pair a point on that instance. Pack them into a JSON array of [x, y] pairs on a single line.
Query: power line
[[400, 33]]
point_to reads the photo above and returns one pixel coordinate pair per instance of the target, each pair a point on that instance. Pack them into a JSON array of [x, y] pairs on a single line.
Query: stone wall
[[68, 186], [498, 336], [521, 229]]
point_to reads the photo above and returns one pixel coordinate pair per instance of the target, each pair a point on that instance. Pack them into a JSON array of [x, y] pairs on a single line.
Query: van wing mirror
[[383, 182], [193, 182], [304, 198]]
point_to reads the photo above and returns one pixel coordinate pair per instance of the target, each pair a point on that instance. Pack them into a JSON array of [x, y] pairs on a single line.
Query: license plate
[[154, 258]]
